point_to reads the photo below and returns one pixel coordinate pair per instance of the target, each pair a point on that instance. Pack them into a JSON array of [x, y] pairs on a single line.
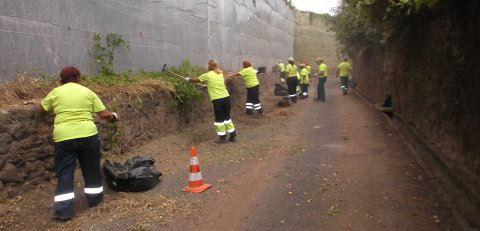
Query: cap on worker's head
[[302, 64], [291, 59], [247, 63], [345, 59], [319, 60], [280, 61]]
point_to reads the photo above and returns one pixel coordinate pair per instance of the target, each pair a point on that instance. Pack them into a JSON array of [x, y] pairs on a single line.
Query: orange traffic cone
[[195, 180]]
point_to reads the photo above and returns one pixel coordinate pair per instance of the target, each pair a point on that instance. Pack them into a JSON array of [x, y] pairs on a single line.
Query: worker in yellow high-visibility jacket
[[292, 79], [252, 84], [343, 71], [322, 79], [304, 80], [218, 94]]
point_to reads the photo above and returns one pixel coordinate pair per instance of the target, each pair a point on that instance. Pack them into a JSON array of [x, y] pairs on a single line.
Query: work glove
[[187, 79], [282, 80], [115, 117]]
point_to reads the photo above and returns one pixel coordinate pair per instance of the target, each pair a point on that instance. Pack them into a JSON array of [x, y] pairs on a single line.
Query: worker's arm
[[106, 115], [230, 74], [338, 72], [192, 79]]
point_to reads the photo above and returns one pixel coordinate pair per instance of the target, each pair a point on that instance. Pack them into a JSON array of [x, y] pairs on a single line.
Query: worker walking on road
[[304, 80], [251, 83], [343, 71], [76, 137], [218, 94], [292, 79], [322, 79], [281, 67]]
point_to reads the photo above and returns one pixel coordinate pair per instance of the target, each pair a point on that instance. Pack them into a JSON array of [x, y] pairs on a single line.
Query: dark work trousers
[[321, 88], [344, 84], [253, 100], [87, 150], [292, 88], [223, 122], [304, 88]]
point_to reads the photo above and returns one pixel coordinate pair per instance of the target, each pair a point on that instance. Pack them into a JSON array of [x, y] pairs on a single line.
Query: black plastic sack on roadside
[[283, 103], [135, 175]]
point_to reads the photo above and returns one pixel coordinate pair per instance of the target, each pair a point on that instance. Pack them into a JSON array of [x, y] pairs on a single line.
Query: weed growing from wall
[[103, 51]]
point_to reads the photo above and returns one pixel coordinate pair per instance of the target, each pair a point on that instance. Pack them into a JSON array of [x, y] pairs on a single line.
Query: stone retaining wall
[[26, 144]]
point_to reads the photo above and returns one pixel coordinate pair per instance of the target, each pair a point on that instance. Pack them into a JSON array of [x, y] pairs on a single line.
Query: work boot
[[260, 111], [222, 139], [233, 137], [61, 217], [94, 201], [249, 111]]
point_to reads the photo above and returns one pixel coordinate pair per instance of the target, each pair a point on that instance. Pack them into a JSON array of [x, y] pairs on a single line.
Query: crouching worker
[[251, 83], [218, 94], [304, 80], [76, 137]]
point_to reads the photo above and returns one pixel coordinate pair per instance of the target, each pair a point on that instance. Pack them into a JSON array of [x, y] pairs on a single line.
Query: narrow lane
[[341, 168]]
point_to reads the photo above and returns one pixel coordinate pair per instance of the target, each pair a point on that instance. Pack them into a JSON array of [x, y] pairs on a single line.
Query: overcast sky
[[317, 6]]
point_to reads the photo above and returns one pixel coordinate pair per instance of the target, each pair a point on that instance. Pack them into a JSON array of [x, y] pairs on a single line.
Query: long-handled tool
[[164, 68], [309, 59]]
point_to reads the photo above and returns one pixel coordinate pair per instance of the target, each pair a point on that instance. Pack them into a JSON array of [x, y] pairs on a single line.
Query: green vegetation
[[290, 4], [363, 24], [103, 50], [28, 87], [183, 91]]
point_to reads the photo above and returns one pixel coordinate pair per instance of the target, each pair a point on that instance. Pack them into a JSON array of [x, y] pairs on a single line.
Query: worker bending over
[[304, 80], [218, 94], [343, 71], [322, 79], [251, 83], [292, 79], [76, 137]]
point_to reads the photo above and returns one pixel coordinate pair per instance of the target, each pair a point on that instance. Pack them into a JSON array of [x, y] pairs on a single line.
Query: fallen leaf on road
[[332, 211]]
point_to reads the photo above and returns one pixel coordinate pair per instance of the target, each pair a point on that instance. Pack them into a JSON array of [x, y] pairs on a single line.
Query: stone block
[[3, 129], [19, 132], [31, 143], [5, 140], [49, 164], [10, 173], [3, 194], [15, 148]]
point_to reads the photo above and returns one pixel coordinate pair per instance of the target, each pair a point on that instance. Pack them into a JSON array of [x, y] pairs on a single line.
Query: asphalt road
[[336, 166]]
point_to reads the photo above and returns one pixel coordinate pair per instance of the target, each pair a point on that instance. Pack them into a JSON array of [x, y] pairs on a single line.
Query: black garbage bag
[[280, 90], [135, 175], [283, 103]]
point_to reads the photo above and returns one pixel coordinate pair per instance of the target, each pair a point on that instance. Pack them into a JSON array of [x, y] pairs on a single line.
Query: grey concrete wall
[[42, 36]]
